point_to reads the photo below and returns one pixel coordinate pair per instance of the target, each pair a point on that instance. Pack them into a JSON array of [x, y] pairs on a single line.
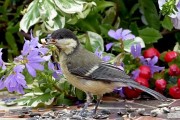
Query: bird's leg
[[89, 98], [97, 104]]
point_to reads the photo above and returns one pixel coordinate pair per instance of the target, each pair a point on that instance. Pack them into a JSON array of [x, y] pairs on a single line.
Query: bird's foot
[[101, 115]]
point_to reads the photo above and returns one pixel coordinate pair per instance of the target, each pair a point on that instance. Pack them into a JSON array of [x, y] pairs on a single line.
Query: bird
[[87, 72]]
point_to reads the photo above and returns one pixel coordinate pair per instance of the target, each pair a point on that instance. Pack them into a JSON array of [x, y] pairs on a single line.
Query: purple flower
[[33, 63], [2, 64], [120, 91], [33, 54], [100, 55], [135, 74], [136, 50], [151, 63], [16, 80], [33, 45], [2, 83], [109, 46], [119, 34], [57, 71]]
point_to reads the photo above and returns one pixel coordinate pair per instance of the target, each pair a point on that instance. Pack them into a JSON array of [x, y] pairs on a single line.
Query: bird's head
[[64, 39]]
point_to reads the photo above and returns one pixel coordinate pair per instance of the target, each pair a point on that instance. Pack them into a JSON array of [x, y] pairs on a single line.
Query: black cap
[[63, 33]]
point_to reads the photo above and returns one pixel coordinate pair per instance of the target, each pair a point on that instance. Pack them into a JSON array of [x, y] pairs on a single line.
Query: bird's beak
[[50, 40]]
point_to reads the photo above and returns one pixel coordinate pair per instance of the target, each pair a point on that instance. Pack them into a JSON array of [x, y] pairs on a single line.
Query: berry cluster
[[163, 83], [173, 71], [144, 74]]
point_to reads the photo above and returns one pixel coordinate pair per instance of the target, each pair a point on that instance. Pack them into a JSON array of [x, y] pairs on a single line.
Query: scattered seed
[[77, 117], [166, 110], [41, 109], [163, 105], [140, 111], [34, 114], [105, 112], [21, 115], [122, 112], [155, 112]]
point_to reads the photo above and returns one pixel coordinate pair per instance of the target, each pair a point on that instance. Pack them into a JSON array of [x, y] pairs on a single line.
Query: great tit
[[87, 72]]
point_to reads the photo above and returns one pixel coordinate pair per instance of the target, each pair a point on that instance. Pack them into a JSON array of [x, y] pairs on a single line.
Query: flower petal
[[113, 34], [2, 83], [50, 65], [125, 32], [19, 68], [106, 58], [37, 66], [119, 34], [109, 46], [26, 48], [153, 61], [31, 70], [43, 51], [128, 37], [35, 59], [135, 73], [20, 79], [47, 58]]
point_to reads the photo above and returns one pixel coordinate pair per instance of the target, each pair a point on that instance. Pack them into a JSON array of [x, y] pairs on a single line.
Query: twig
[[166, 32]]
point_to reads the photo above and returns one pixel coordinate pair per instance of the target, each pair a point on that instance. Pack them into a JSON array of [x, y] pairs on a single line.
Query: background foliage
[[90, 20]]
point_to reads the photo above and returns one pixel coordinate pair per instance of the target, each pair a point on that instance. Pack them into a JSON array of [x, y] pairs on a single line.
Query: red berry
[[151, 52], [174, 92], [178, 82], [160, 84], [174, 70], [142, 81], [170, 56], [145, 72], [131, 93]]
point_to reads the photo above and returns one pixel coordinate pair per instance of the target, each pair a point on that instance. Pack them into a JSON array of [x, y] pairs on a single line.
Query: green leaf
[[96, 41], [49, 13], [63, 100], [31, 17], [101, 5], [70, 6], [134, 28], [24, 100], [11, 42], [80, 94], [150, 35], [56, 23], [150, 13], [167, 23], [110, 15], [104, 29], [45, 97], [134, 8], [177, 36]]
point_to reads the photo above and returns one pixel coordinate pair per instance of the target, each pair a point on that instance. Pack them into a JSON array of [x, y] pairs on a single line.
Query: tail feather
[[148, 90]]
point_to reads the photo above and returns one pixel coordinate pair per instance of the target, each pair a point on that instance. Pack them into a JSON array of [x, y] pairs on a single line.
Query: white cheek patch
[[67, 45], [71, 43]]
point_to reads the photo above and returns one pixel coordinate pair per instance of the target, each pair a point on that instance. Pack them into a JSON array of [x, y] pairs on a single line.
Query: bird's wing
[[87, 65], [102, 72]]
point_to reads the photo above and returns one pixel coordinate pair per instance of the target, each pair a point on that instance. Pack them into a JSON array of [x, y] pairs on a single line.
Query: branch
[[166, 32]]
